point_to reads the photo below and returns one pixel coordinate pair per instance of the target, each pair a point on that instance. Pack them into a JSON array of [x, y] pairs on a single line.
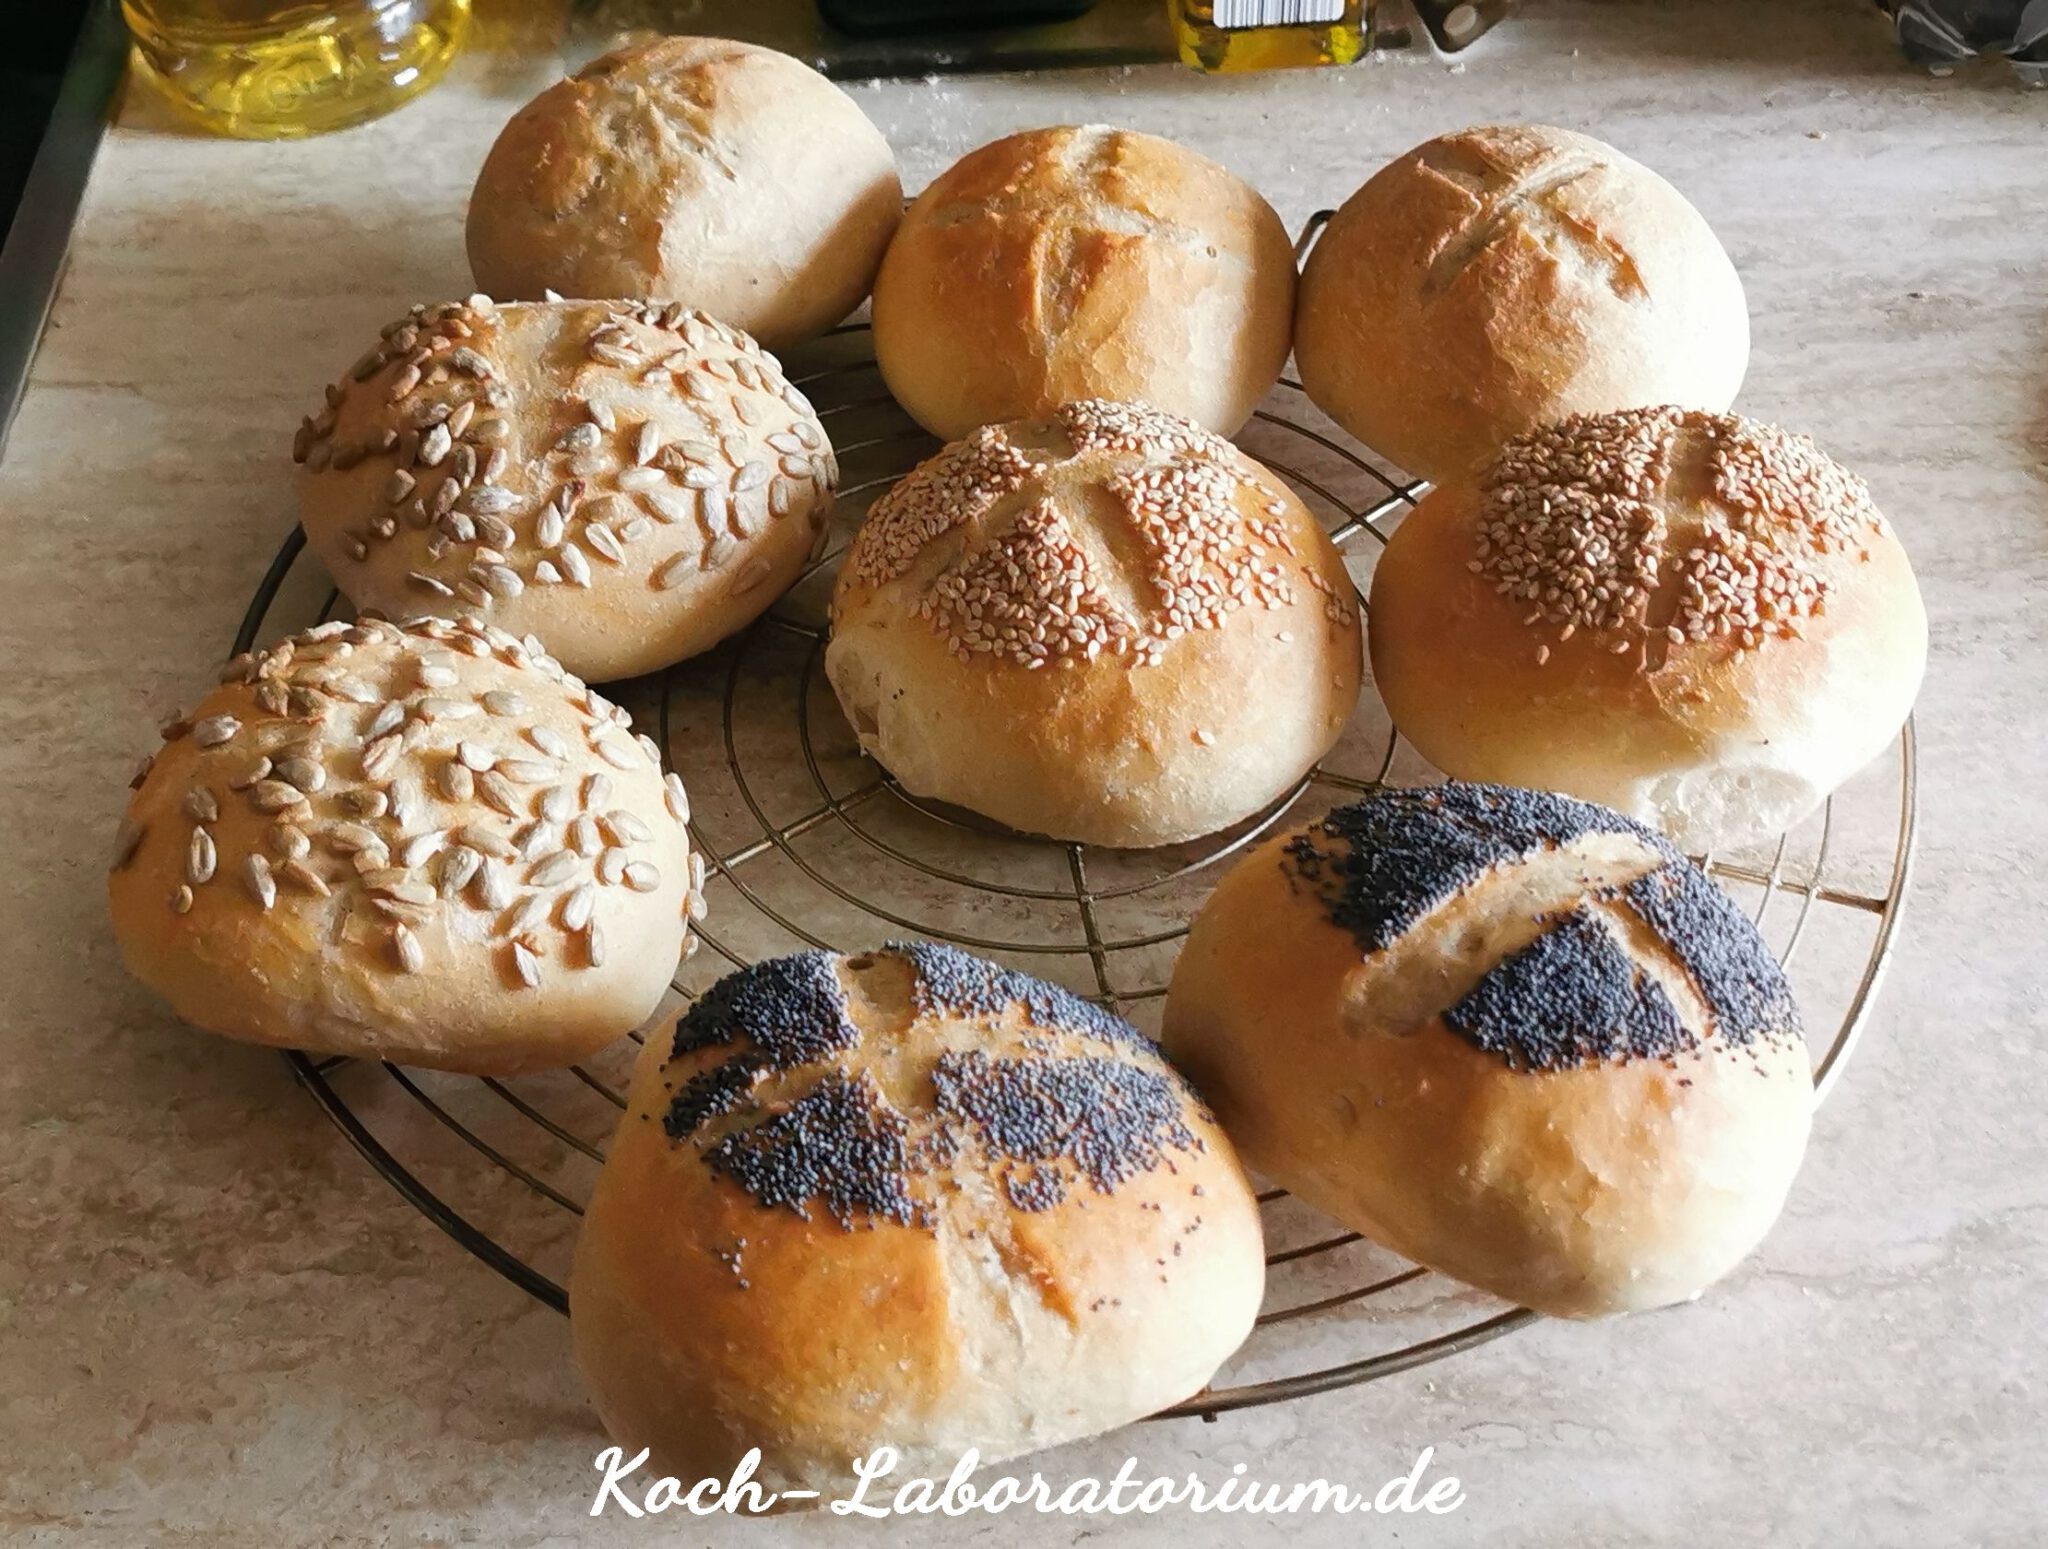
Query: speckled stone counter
[[218, 1327]]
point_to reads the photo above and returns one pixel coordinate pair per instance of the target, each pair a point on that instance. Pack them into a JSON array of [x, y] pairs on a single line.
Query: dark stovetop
[[61, 65], [39, 46]]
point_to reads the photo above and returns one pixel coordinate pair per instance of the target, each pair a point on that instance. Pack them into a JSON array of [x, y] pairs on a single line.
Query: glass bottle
[[279, 69], [1228, 36]]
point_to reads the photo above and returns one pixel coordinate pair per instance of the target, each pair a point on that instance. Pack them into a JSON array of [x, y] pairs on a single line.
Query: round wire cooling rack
[[808, 843]]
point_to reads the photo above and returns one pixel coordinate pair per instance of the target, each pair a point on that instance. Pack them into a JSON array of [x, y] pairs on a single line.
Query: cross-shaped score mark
[[1075, 227], [1525, 201]]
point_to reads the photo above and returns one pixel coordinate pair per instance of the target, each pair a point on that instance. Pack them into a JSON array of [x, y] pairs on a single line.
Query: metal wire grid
[[1341, 1282]]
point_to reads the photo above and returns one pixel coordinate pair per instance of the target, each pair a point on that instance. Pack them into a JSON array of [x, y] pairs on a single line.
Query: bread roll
[[1514, 1037], [630, 482], [421, 843], [1497, 279], [1058, 624], [1694, 618], [1073, 263], [728, 177], [905, 1199]]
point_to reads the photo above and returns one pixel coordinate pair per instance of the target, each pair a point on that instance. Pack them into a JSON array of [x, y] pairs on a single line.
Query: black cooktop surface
[[39, 42]]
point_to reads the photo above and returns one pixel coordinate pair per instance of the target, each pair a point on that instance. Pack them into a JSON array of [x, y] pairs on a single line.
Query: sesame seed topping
[[1577, 528], [1028, 585]]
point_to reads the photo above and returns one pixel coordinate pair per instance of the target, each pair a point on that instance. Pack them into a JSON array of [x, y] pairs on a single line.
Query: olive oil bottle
[[1227, 36], [279, 69]]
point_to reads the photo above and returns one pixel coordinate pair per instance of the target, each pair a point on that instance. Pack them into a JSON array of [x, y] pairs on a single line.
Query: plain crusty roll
[[1071, 263], [1694, 618], [1108, 625], [905, 1199], [1514, 1037], [731, 178], [1497, 279], [422, 843], [631, 482]]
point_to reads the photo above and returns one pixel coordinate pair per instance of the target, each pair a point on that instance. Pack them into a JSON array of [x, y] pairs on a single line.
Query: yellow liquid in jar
[[1226, 37], [279, 69]]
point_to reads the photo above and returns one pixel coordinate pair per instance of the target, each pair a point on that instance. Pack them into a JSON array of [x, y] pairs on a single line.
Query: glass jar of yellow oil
[[278, 69], [1228, 36]]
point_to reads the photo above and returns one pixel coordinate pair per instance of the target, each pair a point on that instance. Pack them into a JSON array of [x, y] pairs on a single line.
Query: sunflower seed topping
[[200, 858], [626, 827], [670, 505], [257, 879], [553, 870], [604, 542], [417, 850], [485, 841], [525, 965], [405, 947], [527, 915], [305, 773], [215, 730]]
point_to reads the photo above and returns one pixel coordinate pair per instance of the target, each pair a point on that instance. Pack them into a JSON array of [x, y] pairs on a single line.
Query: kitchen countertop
[[219, 1327]]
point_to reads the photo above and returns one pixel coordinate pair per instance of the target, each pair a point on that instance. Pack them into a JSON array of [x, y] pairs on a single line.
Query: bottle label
[[1233, 15]]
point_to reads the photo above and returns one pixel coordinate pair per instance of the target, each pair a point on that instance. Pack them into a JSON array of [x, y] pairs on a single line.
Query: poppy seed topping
[[899, 1076], [1579, 993]]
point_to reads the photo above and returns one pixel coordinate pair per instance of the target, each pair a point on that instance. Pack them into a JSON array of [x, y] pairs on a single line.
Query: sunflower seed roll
[[423, 843], [632, 482]]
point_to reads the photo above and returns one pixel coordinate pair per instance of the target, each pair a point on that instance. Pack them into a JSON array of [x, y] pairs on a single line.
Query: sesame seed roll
[[1503, 277], [1514, 1037], [630, 481], [905, 1199], [420, 842], [1145, 628], [1084, 262], [1699, 620]]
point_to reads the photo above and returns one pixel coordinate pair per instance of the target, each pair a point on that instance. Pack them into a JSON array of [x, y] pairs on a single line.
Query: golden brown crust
[[1718, 738], [988, 1312], [1094, 602], [630, 482], [1589, 1188], [483, 872], [1072, 263], [731, 178], [1499, 278]]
